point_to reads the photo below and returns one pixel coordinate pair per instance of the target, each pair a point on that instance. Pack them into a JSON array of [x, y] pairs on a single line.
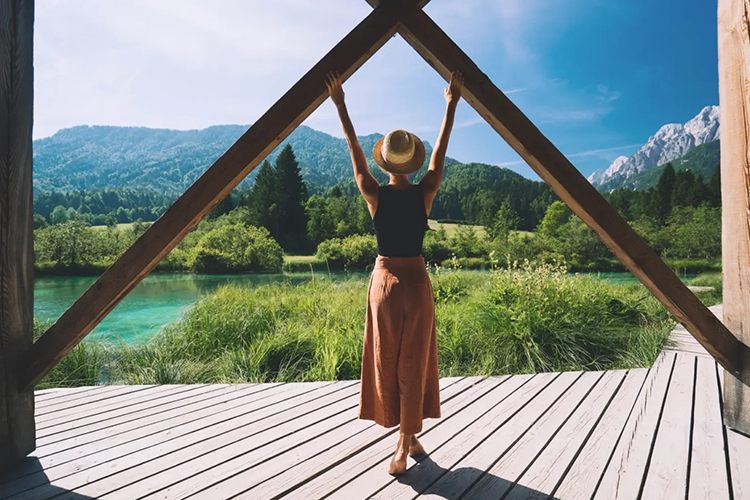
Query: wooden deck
[[647, 433]]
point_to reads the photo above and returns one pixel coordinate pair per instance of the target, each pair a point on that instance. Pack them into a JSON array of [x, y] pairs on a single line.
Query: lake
[[161, 298]]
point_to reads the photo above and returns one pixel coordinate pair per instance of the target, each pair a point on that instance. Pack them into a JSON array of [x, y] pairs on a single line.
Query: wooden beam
[[734, 78], [17, 431], [223, 176], [553, 167]]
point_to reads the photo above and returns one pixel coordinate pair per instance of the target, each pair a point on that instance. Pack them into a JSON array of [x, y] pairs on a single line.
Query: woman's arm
[[431, 180], [367, 184]]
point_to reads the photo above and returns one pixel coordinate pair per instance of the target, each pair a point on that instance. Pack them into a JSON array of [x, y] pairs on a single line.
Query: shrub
[[356, 251], [236, 248]]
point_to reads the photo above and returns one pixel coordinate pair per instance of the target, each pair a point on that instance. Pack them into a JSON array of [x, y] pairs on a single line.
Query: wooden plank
[[273, 479], [523, 406], [734, 98], [553, 167], [552, 463], [522, 438], [119, 428], [88, 398], [16, 227], [71, 456], [708, 463], [625, 471], [100, 481], [117, 431], [362, 461], [739, 451], [587, 469], [159, 400], [60, 392], [46, 424], [213, 186], [105, 472], [198, 466], [453, 417], [667, 475], [286, 440], [69, 395]]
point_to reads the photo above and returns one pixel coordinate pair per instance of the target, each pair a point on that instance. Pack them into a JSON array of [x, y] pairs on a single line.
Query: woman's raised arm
[[431, 180], [367, 184]]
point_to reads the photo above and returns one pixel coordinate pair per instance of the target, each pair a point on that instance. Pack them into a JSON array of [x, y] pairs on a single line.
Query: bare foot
[[398, 462], [415, 447]]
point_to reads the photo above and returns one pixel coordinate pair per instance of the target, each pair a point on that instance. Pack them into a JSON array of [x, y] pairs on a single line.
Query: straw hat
[[399, 152]]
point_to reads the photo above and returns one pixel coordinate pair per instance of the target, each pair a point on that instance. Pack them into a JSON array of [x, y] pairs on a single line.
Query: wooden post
[[17, 432], [734, 98], [566, 181], [213, 186]]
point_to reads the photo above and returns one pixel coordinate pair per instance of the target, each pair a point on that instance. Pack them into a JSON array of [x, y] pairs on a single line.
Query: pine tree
[[292, 219], [714, 187], [664, 192], [222, 208], [263, 200]]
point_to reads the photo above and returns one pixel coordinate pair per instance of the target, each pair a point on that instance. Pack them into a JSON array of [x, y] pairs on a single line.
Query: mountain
[[672, 141], [701, 160], [168, 161]]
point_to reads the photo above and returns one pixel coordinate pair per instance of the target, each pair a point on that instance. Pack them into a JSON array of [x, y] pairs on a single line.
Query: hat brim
[[411, 166]]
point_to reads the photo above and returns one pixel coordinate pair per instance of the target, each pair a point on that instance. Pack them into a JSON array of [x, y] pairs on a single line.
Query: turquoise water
[[161, 298], [156, 301]]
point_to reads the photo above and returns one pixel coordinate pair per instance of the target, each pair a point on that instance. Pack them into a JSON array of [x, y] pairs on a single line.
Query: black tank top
[[400, 221]]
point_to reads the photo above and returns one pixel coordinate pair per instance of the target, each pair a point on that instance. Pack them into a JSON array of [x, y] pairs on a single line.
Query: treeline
[[218, 245], [519, 219], [99, 208]]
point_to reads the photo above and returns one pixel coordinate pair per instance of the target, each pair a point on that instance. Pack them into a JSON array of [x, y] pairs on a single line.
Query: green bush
[[351, 252], [236, 248]]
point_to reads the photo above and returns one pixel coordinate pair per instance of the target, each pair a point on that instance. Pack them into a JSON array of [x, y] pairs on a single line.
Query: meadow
[[522, 319]]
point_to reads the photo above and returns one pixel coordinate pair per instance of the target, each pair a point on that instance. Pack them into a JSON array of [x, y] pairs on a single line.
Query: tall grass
[[520, 319]]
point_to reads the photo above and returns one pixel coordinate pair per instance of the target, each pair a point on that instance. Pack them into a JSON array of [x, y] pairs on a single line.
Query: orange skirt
[[400, 384]]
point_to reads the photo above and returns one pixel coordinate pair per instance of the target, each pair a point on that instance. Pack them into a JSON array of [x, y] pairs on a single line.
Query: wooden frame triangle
[[408, 19]]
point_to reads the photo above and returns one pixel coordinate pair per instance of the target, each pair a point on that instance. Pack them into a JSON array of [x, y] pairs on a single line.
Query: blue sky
[[597, 76]]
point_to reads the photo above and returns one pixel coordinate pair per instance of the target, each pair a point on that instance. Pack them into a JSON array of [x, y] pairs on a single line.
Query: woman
[[399, 362]]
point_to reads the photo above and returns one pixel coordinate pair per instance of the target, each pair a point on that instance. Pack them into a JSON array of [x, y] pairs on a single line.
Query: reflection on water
[[161, 298], [156, 301]]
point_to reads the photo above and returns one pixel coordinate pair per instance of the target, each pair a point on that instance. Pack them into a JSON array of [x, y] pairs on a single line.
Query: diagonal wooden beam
[[442, 53], [214, 185]]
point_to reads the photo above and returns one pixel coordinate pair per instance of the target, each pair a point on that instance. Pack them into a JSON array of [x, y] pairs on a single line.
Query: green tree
[[59, 215], [264, 198], [556, 216], [39, 221], [222, 208], [292, 220], [504, 221], [236, 248], [714, 187], [664, 189]]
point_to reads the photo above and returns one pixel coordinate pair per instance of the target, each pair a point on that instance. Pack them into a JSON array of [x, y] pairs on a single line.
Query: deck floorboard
[[624, 434]]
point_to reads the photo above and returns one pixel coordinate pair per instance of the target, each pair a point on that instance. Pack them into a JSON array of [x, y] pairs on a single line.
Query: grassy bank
[[518, 320]]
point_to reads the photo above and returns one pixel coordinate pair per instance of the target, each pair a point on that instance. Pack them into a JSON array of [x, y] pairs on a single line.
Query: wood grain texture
[[213, 186], [734, 98], [560, 436], [16, 230], [708, 467], [667, 468], [566, 181]]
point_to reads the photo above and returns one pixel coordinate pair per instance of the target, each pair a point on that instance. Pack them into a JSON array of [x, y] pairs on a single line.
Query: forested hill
[[168, 161]]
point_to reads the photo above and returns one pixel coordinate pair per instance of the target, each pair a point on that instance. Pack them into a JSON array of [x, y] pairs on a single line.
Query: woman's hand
[[335, 90], [453, 92]]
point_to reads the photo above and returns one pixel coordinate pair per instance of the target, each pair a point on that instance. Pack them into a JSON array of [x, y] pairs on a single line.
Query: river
[[161, 298]]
